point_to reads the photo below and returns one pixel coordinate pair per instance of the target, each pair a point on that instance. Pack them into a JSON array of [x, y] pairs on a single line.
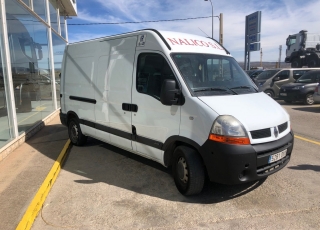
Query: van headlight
[[229, 130]]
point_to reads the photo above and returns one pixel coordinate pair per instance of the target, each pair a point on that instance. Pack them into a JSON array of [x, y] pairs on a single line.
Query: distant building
[[33, 35]]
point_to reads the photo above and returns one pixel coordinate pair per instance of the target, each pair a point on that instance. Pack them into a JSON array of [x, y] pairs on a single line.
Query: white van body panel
[[153, 119], [196, 120], [262, 112], [81, 81], [117, 87]]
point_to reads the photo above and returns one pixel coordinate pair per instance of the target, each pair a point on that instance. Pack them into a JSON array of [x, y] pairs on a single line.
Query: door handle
[[129, 107]]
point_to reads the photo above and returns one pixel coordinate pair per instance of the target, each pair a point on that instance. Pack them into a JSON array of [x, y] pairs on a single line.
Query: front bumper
[[236, 164], [292, 95]]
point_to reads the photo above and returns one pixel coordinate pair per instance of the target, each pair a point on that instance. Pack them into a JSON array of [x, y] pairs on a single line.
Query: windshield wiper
[[244, 87], [214, 89]]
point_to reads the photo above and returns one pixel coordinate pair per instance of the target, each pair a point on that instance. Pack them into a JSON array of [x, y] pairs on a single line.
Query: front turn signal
[[230, 140]]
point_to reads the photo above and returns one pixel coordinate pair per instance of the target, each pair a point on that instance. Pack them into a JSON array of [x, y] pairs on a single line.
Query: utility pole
[[280, 49], [221, 29], [261, 57]]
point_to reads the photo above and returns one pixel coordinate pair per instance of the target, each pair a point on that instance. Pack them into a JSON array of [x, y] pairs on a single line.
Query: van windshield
[[208, 74]]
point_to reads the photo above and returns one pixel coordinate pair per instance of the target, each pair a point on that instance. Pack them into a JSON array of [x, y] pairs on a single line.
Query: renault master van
[[179, 99]]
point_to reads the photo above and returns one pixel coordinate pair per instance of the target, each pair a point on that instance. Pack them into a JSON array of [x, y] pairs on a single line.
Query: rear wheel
[[308, 100], [295, 63], [270, 93], [188, 171], [75, 134]]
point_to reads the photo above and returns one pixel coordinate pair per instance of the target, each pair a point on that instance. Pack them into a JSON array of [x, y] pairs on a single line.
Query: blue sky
[[279, 19]]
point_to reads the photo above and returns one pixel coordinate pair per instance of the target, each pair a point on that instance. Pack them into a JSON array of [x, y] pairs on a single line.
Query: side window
[[152, 70], [298, 73], [284, 75]]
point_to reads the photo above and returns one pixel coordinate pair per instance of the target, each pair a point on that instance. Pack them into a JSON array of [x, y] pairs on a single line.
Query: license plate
[[277, 156], [283, 94]]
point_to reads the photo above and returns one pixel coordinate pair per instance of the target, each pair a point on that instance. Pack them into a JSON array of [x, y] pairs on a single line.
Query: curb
[[38, 200]]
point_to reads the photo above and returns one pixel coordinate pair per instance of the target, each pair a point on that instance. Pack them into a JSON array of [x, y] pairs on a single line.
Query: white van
[[178, 99]]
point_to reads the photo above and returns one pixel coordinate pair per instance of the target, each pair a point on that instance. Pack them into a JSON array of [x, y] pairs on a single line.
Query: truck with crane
[[303, 49]]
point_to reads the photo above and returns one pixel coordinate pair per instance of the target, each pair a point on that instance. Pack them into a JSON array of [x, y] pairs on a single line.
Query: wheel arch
[[174, 141], [70, 115]]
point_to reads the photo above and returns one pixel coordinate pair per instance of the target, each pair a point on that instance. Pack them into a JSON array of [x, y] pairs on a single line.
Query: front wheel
[[188, 171], [308, 100], [75, 134], [269, 93]]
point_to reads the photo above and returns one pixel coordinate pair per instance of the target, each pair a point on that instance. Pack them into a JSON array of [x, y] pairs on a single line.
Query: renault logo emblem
[[276, 132]]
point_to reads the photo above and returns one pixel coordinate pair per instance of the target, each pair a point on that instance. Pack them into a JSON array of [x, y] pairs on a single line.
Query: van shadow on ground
[[98, 162]]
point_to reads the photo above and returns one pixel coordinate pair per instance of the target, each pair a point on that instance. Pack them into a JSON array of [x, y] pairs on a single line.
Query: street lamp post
[[212, 16]]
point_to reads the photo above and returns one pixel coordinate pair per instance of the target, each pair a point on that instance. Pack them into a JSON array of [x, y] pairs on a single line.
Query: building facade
[[33, 35]]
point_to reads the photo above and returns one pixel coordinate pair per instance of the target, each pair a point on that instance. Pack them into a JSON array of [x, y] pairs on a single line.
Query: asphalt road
[[102, 187]]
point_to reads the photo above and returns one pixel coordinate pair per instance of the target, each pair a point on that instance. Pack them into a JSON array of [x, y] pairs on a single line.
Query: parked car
[[302, 89], [263, 77], [316, 95], [272, 85], [254, 73]]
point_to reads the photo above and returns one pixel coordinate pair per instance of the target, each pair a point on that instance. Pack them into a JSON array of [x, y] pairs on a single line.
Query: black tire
[[188, 171], [287, 101], [270, 93], [308, 100], [295, 63], [76, 136], [313, 62]]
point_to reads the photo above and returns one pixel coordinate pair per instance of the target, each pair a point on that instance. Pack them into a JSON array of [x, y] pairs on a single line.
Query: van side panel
[[78, 79], [113, 89]]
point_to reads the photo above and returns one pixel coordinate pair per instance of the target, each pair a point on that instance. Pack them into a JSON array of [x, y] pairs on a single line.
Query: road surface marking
[[305, 139], [38, 200]]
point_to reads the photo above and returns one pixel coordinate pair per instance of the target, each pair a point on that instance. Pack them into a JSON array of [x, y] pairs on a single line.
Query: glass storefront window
[[58, 49], [5, 134], [28, 44], [62, 26], [53, 16], [39, 7]]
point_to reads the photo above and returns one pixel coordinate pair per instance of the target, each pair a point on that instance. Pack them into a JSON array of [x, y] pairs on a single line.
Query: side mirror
[[169, 94], [276, 79]]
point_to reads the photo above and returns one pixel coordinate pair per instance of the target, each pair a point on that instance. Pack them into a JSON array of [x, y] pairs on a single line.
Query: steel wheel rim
[[310, 100], [182, 170], [74, 132]]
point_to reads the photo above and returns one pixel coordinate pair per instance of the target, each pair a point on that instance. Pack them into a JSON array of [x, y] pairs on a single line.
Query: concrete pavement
[[23, 171]]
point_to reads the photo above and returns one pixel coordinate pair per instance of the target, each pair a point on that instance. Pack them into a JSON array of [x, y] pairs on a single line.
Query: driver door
[[153, 122]]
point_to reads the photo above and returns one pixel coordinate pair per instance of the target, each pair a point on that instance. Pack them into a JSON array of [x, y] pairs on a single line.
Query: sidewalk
[[23, 171]]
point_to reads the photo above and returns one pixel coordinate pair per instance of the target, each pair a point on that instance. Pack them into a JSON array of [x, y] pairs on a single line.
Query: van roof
[[175, 41]]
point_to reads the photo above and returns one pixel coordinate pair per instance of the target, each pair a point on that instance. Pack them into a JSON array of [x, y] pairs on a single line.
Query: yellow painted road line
[[38, 200], [305, 139]]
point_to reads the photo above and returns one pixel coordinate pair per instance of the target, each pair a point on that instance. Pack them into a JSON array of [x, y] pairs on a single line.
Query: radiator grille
[[283, 127], [262, 133]]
